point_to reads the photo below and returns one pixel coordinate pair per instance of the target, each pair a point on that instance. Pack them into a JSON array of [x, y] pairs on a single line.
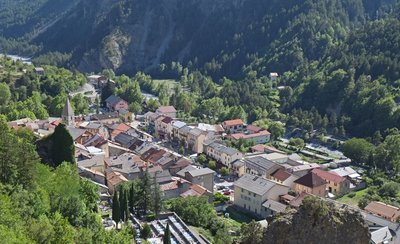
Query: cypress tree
[[146, 190], [62, 146], [115, 209], [122, 202], [167, 235]]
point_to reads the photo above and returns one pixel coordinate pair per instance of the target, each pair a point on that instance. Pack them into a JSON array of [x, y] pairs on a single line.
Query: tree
[[157, 196], [357, 150], [5, 94], [377, 138], [277, 130], [80, 104], [116, 209], [212, 164], [146, 232], [145, 192], [389, 189], [251, 233], [62, 148], [202, 159], [167, 235], [297, 142], [224, 171], [107, 91]]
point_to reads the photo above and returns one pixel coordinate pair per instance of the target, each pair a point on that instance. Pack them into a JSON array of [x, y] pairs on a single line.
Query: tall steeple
[[67, 114]]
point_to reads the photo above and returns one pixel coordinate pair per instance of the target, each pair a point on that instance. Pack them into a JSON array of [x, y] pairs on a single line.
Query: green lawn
[[353, 200]]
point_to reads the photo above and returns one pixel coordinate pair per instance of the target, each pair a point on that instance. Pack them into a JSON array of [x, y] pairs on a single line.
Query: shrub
[[351, 194]]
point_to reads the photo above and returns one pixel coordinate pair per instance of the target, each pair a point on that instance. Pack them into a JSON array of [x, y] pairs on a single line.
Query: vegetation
[[44, 205]]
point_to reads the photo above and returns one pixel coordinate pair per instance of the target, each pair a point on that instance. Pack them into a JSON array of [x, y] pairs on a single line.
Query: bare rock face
[[318, 221]]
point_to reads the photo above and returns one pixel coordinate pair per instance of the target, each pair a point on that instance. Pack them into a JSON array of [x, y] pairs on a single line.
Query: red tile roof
[[119, 129], [310, 180], [237, 136], [258, 148], [328, 176], [253, 128], [382, 209], [297, 201], [281, 175], [233, 122]]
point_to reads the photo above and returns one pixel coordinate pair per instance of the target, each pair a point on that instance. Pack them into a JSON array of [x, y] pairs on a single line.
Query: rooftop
[[328, 176], [178, 124], [275, 206], [382, 209], [310, 180], [255, 184], [259, 163], [200, 172], [166, 109], [281, 174], [223, 148], [381, 235], [233, 122], [113, 100]]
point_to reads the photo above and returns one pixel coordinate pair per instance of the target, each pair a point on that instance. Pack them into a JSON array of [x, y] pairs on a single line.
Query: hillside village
[[194, 159]]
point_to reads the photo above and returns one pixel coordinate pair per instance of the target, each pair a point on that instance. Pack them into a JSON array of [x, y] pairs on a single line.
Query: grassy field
[[353, 200]]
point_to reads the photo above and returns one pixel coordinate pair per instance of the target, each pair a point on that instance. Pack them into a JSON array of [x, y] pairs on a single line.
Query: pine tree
[[116, 209], [167, 235]]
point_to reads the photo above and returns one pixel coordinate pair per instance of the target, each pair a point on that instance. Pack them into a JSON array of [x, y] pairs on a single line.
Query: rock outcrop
[[318, 221]]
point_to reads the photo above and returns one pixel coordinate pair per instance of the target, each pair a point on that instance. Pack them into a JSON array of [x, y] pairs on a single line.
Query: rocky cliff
[[317, 221]]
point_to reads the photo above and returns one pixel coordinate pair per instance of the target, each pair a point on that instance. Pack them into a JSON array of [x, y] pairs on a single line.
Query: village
[[116, 146]]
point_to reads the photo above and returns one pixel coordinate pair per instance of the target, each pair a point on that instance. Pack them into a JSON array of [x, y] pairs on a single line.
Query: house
[[176, 125], [273, 76], [198, 191], [114, 179], [78, 135], [95, 128], [118, 128], [310, 183], [106, 118], [238, 167], [257, 138], [98, 81], [349, 173], [283, 177], [381, 236], [383, 210], [233, 126], [271, 208], [336, 184], [95, 163], [39, 71], [203, 177], [93, 175], [215, 130], [169, 111], [195, 140], [183, 134], [260, 166], [179, 165], [128, 164], [222, 154], [115, 103], [163, 127], [251, 192]]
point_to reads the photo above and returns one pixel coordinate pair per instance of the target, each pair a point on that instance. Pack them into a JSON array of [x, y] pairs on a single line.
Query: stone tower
[[67, 114]]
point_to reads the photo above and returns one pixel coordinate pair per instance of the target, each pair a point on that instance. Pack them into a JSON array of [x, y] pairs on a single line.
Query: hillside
[[336, 58]]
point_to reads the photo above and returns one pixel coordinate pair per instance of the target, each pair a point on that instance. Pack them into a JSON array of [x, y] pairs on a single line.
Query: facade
[[67, 115], [195, 140], [310, 183], [251, 192], [203, 177], [115, 103], [233, 126], [223, 154]]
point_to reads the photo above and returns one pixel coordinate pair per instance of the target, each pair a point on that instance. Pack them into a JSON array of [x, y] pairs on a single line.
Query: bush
[[151, 217], [224, 171], [212, 164], [146, 232]]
